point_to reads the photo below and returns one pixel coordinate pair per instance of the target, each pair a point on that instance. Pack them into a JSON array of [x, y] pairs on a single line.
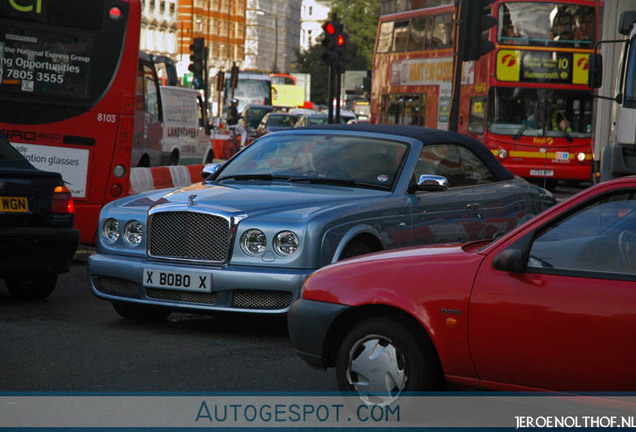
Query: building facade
[[221, 23], [313, 15], [159, 27], [272, 35]]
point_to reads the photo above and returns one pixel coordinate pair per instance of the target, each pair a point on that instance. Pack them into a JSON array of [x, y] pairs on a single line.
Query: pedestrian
[[233, 121]]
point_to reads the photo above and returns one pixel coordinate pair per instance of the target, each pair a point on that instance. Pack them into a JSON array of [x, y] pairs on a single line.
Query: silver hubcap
[[376, 369]]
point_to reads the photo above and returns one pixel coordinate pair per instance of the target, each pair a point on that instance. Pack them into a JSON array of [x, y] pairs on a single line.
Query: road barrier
[[145, 179]]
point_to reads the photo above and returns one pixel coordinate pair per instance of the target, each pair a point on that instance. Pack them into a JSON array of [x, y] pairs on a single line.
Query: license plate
[[13, 204], [178, 280], [543, 173]]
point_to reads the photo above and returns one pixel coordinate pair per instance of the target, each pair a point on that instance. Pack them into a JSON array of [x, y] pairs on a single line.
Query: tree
[[310, 62], [360, 19]]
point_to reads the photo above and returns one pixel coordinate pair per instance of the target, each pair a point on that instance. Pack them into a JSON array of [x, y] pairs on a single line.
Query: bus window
[[404, 109], [443, 31], [534, 112], [400, 35], [385, 38], [546, 24], [418, 40]]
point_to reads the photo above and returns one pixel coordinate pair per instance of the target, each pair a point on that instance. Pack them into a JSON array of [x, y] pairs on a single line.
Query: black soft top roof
[[427, 136]]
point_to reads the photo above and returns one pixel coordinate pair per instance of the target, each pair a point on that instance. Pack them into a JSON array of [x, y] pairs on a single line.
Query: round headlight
[[503, 154], [253, 242], [580, 157], [286, 243], [133, 233], [110, 231]]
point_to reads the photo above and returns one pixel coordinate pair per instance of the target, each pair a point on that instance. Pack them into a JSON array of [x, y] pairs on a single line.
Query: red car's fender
[[434, 292]]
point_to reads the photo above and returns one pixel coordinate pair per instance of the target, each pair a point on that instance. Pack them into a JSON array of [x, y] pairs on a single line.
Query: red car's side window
[[600, 237]]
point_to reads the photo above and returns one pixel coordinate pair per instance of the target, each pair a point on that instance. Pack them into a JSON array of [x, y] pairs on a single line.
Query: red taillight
[[62, 201]]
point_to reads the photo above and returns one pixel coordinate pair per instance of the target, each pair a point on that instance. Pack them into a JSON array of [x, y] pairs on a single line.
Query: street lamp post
[[275, 68]]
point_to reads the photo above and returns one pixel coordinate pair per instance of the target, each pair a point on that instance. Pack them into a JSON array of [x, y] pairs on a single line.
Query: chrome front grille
[[190, 236]]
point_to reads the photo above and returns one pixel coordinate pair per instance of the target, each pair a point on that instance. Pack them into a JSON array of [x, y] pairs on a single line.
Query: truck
[[170, 126], [615, 139], [186, 134]]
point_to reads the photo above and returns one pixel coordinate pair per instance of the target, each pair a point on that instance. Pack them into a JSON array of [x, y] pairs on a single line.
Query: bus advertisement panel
[[67, 93], [527, 100]]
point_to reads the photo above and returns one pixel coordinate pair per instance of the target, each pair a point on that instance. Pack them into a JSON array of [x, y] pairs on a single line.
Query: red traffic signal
[[329, 28], [334, 43]]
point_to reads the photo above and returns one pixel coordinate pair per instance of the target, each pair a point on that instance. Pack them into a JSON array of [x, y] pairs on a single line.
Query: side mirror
[[595, 73], [432, 183], [210, 170], [510, 260]]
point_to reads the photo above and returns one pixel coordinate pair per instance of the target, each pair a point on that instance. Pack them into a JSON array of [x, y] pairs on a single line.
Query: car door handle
[[473, 205]]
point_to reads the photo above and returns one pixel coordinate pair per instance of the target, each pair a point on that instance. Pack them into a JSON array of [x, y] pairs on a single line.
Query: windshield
[[547, 24], [317, 120], [354, 160], [254, 115], [250, 91], [540, 112], [630, 76], [284, 120]]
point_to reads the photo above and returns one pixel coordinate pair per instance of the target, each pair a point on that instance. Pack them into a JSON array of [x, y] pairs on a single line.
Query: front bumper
[[42, 249], [234, 288], [309, 323]]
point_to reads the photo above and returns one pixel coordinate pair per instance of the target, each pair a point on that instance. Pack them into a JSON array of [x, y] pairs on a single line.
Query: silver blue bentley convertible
[[246, 238]]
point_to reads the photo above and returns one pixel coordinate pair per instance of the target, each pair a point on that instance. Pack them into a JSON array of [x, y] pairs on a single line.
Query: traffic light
[[341, 45], [234, 76], [334, 44], [475, 18], [197, 58], [220, 80], [329, 42]]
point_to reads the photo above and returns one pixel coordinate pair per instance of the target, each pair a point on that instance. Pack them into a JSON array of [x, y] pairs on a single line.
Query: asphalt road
[[75, 342]]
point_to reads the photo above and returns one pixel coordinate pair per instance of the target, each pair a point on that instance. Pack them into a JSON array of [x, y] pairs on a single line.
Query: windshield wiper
[[266, 177], [323, 180], [337, 182], [520, 132]]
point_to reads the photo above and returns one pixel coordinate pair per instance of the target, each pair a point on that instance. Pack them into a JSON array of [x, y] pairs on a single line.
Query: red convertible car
[[549, 306]]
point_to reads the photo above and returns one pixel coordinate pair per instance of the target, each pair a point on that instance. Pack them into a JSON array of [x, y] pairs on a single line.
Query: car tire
[[31, 287], [400, 362], [355, 248], [140, 312]]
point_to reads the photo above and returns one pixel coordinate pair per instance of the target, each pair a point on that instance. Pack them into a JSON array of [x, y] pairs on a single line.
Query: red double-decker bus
[[68, 71], [527, 100]]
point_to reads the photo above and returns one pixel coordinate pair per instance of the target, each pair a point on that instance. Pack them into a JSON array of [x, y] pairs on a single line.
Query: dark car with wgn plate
[[37, 238]]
